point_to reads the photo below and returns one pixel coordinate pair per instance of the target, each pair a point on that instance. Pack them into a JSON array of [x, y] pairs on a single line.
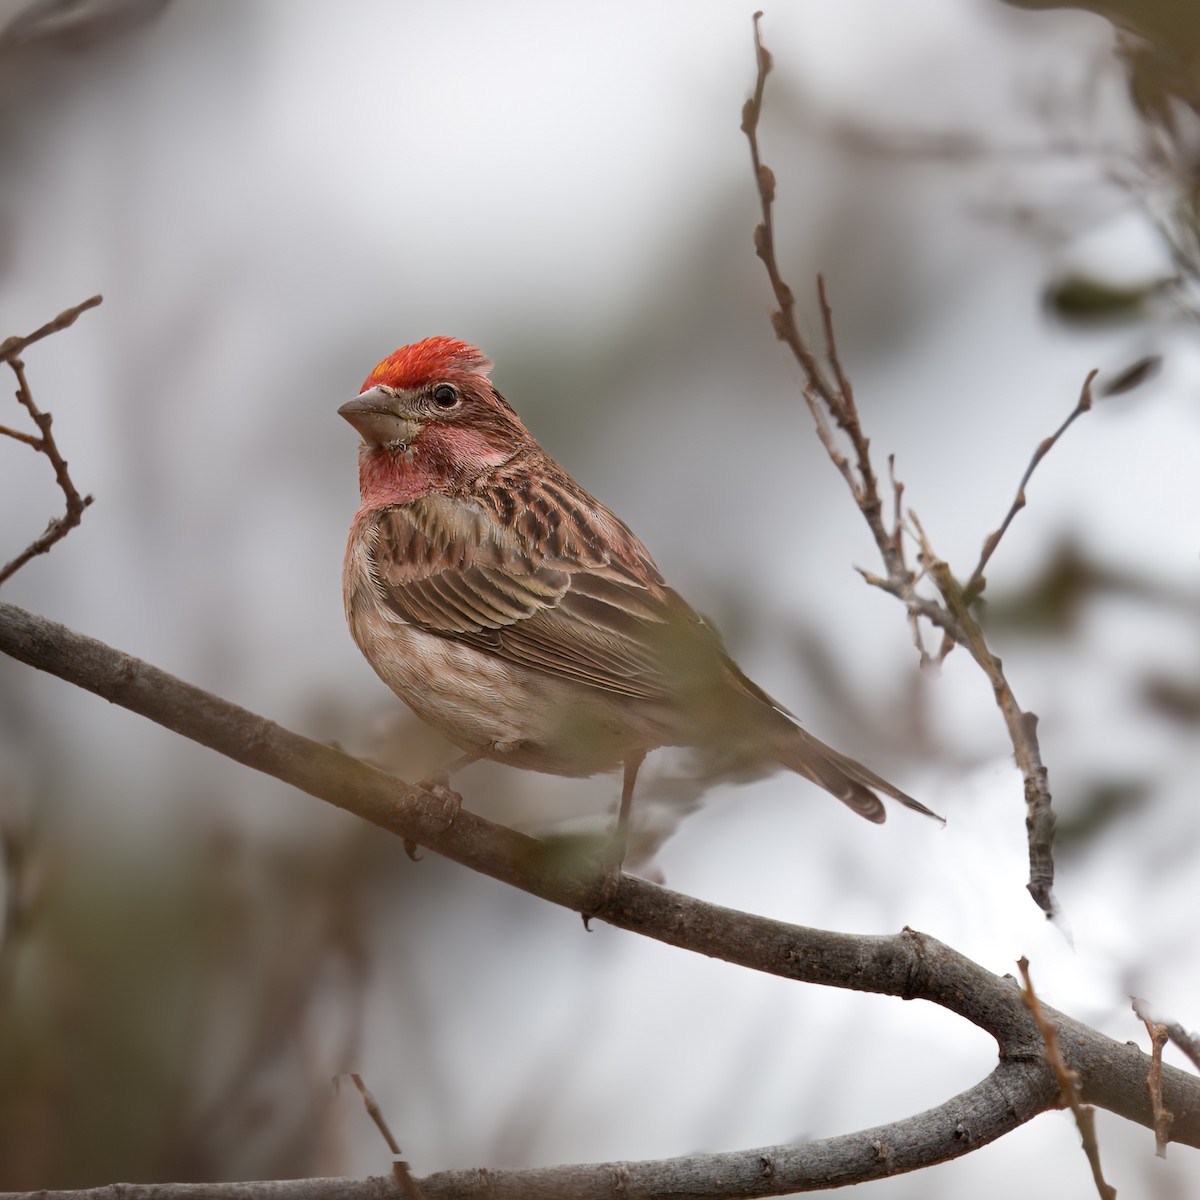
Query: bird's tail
[[852, 783]]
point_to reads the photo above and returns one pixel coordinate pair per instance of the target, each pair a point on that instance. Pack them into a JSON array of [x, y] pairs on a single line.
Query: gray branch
[[909, 965]]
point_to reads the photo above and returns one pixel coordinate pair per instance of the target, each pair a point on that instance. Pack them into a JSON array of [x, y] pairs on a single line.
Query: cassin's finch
[[519, 617]]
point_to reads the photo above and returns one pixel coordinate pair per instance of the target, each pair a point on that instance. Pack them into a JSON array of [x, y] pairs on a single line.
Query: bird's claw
[[446, 802], [609, 881], [439, 801]]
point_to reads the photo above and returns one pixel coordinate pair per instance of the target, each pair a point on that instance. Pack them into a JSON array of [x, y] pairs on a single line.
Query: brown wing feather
[[543, 576], [560, 602]]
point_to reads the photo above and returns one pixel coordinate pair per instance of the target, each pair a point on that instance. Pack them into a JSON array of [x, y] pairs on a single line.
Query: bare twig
[[975, 585], [1159, 1034], [821, 393], [1068, 1083], [1022, 728], [784, 320], [400, 1169], [58, 528], [830, 397], [13, 346], [1189, 1043], [1162, 1117], [373, 1111]]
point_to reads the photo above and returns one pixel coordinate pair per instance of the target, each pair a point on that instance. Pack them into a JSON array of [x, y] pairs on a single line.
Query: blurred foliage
[[1052, 602], [181, 1016], [1084, 298], [1160, 45], [1133, 376], [1098, 806], [1174, 698], [1052, 605], [74, 24]]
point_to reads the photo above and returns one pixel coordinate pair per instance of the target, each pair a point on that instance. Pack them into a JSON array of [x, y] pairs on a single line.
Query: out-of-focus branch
[[1008, 1097], [975, 585], [909, 965], [830, 398], [1189, 1043], [406, 1185], [10, 351]]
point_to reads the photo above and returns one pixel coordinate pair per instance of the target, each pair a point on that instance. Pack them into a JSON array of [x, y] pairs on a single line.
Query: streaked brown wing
[[601, 624]]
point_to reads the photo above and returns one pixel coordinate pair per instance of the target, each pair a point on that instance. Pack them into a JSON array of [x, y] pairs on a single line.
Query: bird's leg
[[620, 838], [610, 878], [439, 781]]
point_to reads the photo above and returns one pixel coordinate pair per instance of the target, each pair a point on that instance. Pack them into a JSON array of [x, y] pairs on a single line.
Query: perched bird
[[518, 616]]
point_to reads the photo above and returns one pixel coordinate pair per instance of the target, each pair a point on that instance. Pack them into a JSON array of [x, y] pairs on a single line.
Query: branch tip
[[44, 443]]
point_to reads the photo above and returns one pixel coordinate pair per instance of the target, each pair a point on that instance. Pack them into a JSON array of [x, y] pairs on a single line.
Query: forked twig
[[830, 398], [1021, 725], [1160, 1033], [1162, 1117], [43, 442]]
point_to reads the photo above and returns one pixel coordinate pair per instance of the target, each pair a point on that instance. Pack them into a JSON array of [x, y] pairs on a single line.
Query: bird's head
[[430, 419]]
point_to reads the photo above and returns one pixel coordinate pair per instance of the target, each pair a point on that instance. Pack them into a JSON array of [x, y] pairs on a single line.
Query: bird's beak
[[379, 417]]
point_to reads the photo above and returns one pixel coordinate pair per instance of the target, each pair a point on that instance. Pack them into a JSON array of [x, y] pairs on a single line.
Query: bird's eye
[[445, 395]]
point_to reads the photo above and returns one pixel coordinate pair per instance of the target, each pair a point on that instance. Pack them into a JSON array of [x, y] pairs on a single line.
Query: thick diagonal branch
[[908, 965]]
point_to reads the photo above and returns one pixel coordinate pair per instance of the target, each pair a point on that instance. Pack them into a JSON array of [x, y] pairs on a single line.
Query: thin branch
[[784, 320], [18, 436], [1022, 728], [976, 583], [1068, 1083], [401, 1173], [1163, 1117], [13, 346], [44, 443], [374, 1112], [821, 393], [828, 397], [834, 399]]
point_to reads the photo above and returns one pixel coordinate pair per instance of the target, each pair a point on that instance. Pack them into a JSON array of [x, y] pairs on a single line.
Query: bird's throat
[[439, 459], [394, 474]]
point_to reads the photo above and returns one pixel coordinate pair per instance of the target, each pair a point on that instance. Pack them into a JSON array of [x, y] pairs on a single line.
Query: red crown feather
[[423, 362]]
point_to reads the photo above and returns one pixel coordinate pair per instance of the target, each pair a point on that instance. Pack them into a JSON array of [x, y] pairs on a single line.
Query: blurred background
[[273, 196]]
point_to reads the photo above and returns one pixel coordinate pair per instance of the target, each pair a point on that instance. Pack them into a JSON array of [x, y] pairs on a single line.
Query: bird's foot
[[609, 881], [618, 843], [443, 804]]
